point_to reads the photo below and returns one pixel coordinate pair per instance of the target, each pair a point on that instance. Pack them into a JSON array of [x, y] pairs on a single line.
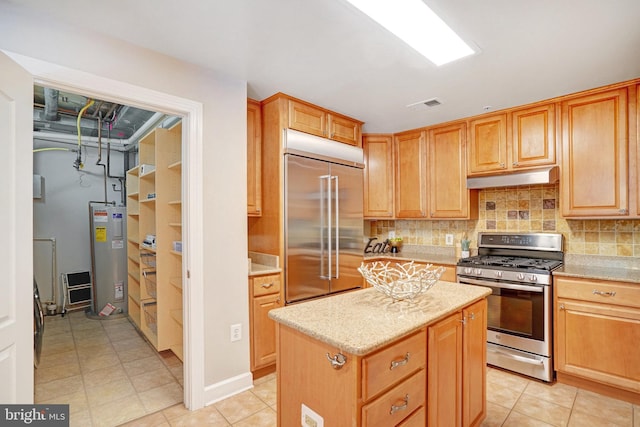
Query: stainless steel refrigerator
[[323, 216], [109, 257]]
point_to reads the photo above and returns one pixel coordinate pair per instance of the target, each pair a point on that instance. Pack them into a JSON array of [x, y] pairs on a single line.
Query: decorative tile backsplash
[[527, 209]]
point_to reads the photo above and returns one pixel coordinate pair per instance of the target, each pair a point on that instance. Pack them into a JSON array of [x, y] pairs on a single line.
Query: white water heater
[[109, 257]]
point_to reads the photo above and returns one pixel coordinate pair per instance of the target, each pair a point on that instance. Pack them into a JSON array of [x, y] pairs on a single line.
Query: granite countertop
[[599, 273], [261, 264], [362, 321]]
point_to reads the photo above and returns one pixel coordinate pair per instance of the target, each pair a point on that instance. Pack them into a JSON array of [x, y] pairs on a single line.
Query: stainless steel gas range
[[518, 268]]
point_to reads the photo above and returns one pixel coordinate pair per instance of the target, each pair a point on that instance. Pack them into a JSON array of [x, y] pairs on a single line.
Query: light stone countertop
[[599, 273], [365, 320]]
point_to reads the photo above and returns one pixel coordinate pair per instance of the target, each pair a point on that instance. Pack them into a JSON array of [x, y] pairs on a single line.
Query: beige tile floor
[[105, 370], [111, 376], [512, 401]]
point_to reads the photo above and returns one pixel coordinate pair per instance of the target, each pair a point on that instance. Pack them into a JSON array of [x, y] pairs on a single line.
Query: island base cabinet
[[457, 368], [307, 377]]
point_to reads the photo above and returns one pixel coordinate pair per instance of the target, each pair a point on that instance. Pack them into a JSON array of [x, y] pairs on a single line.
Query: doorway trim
[[53, 75]]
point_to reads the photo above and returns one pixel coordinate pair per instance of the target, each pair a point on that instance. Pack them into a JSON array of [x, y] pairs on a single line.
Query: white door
[[16, 247]]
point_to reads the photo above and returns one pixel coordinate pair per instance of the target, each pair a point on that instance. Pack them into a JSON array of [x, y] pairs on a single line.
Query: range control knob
[[498, 274], [467, 270], [533, 278], [520, 276], [477, 272]]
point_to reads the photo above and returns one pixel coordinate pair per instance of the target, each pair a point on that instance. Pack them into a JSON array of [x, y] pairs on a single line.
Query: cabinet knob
[[502, 165], [337, 361], [515, 163], [561, 307], [623, 211], [472, 316]]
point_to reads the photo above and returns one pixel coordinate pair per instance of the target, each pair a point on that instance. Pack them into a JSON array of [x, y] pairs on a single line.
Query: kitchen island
[[359, 359]]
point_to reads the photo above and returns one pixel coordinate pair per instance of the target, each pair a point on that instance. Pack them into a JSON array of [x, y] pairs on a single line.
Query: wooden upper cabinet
[[517, 139], [254, 159], [488, 144], [447, 185], [378, 176], [634, 151], [308, 119], [320, 122], [533, 140], [410, 175], [595, 154], [345, 130]]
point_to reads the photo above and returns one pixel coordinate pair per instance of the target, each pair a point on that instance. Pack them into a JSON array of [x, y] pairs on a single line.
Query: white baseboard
[[231, 386]]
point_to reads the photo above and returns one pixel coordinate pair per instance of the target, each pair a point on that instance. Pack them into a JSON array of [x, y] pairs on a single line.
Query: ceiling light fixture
[[418, 26]]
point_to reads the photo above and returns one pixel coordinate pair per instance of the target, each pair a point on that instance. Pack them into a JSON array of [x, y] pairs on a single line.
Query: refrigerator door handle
[[337, 227], [325, 226]]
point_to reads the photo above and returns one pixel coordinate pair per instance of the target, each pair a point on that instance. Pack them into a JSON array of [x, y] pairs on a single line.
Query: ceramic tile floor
[[110, 376], [512, 401], [105, 370]]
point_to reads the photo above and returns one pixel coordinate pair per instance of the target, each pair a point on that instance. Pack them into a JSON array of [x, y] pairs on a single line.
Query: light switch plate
[[449, 239]]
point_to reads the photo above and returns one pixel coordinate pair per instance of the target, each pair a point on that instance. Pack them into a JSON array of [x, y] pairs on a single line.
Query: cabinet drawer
[[598, 291], [265, 285], [417, 419], [398, 403], [388, 366]]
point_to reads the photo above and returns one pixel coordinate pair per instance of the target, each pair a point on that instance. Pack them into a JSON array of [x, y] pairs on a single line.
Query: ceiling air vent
[[425, 105]]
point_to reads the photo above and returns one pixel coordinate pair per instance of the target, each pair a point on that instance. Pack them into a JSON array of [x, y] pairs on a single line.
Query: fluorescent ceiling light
[[418, 26]]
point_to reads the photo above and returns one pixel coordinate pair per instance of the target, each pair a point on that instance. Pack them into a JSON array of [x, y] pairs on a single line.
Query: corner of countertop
[[261, 263]]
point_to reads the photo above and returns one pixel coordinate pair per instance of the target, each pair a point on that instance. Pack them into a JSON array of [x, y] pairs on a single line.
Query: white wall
[[63, 211], [224, 134]]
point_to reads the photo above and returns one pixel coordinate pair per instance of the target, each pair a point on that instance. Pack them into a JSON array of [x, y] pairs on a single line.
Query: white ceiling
[[326, 52]]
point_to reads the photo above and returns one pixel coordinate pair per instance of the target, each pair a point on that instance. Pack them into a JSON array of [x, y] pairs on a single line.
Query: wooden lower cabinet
[[457, 368], [414, 379], [265, 296], [597, 335]]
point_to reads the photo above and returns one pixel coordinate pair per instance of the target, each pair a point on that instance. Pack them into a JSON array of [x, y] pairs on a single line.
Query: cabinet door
[[533, 139], [474, 363], [594, 155], [445, 372], [488, 144], [306, 118], [263, 351], [410, 175], [598, 342], [378, 176], [345, 130], [254, 159], [447, 189]]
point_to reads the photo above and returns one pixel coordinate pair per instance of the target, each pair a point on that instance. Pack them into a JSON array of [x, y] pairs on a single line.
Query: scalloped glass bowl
[[400, 281]]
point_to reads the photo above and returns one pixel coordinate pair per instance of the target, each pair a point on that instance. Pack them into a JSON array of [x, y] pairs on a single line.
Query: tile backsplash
[[532, 208]]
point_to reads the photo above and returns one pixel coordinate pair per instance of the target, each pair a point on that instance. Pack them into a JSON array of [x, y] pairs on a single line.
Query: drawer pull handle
[[396, 363], [267, 285], [396, 408], [337, 361], [604, 293]]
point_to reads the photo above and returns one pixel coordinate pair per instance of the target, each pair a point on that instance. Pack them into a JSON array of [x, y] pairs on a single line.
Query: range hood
[[548, 175]]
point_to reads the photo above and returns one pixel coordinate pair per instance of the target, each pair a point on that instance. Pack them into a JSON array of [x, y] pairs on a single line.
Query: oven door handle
[[503, 285], [516, 357]]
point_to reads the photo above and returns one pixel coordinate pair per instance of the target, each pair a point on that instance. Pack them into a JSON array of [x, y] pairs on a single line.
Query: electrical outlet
[[392, 234], [310, 418], [449, 239], [236, 332]]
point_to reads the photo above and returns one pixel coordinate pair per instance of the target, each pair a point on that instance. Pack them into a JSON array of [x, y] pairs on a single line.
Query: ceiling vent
[[425, 105]]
